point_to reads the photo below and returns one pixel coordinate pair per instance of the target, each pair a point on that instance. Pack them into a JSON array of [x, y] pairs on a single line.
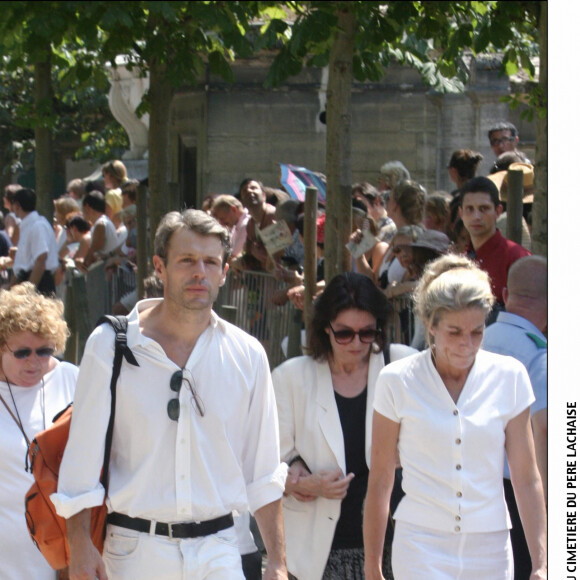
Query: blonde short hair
[[23, 308], [114, 200], [65, 205], [115, 169], [449, 284], [225, 202]]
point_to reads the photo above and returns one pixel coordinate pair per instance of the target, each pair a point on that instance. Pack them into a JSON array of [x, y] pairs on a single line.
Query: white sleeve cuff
[[267, 489], [67, 507]]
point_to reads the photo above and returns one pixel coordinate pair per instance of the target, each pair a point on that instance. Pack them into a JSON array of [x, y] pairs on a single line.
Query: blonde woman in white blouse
[[452, 412]]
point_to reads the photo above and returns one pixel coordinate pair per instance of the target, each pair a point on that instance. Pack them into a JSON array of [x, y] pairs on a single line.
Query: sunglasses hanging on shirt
[[175, 383]]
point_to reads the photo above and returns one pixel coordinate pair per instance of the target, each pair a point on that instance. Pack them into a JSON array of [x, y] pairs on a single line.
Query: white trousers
[[420, 553], [131, 555]]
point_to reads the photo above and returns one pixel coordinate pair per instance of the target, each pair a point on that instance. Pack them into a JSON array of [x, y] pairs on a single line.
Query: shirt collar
[[244, 218], [216, 322], [29, 217], [134, 333], [489, 245], [521, 322]]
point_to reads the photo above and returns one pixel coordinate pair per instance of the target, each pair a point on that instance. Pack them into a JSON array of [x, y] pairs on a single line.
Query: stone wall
[[234, 131]]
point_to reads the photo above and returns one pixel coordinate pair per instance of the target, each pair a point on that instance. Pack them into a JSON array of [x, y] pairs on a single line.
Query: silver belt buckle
[[170, 530]]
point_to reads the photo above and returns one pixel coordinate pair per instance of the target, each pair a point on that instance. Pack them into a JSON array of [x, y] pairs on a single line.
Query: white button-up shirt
[[193, 469], [36, 238], [452, 454]]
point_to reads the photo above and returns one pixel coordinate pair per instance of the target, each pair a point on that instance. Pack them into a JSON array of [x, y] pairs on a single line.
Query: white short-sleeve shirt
[[36, 238], [452, 454], [36, 407], [111, 239]]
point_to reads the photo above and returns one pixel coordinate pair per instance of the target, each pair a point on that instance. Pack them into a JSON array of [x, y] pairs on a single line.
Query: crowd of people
[[397, 226], [94, 221], [355, 460]]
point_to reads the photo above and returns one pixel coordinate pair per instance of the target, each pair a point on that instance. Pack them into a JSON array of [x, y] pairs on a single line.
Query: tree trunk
[[540, 206], [338, 148], [310, 259], [43, 155], [160, 94]]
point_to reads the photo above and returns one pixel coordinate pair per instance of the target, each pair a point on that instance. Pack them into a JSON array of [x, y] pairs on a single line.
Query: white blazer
[[310, 427]]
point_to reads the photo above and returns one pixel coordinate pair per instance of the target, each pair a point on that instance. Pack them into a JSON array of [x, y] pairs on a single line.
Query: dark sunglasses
[[347, 335], [22, 353], [173, 406]]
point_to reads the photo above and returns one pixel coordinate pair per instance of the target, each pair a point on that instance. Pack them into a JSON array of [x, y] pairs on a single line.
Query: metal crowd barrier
[[246, 300], [87, 297]]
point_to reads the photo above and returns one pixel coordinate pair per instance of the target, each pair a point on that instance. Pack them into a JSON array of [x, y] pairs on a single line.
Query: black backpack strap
[[122, 350], [119, 324], [387, 353]]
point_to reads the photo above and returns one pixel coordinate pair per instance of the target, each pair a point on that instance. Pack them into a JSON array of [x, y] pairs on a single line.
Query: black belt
[[186, 530]]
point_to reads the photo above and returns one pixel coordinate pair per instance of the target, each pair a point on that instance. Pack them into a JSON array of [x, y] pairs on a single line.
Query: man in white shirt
[[195, 435], [36, 258]]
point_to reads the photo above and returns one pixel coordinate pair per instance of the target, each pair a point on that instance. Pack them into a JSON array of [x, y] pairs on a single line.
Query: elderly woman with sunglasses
[[34, 387], [324, 405]]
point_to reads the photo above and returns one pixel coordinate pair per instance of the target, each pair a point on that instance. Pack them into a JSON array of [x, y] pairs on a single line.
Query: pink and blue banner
[[296, 179]]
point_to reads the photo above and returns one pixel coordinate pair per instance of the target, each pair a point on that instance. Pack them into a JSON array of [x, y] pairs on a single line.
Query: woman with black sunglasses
[[325, 407], [34, 387]]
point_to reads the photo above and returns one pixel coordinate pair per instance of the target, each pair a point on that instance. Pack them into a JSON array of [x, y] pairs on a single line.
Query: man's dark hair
[[153, 287], [503, 162], [95, 200], [96, 185], [368, 191], [245, 182], [503, 126], [346, 291], [80, 223], [10, 190], [26, 199], [480, 185], [357, 204]]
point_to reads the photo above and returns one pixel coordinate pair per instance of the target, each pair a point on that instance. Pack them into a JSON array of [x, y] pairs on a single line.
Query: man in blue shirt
[[518, 332]]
